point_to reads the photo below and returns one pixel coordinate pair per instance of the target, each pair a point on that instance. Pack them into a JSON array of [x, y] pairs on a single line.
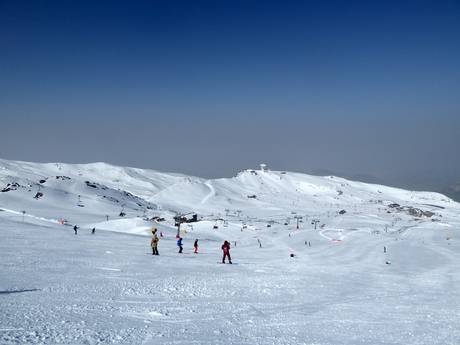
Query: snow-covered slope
[[370, 264], [83, 192], [127, 199]]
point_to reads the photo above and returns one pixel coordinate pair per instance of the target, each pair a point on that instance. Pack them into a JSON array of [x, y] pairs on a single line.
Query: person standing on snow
[[154, 242], [179, 244], [195, 246], [226, 252], [75, 228]]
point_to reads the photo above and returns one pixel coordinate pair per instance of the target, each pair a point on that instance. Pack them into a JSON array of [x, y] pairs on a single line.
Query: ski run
[[316, 260]]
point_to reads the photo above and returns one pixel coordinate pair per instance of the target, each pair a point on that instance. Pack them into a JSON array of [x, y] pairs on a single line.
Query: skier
[[93, 231], [75, 228], [179, 244], [226, 252], [195, 246], [154, 242]]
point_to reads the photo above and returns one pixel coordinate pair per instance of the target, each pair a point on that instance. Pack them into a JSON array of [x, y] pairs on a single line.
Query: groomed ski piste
[[316, 259]]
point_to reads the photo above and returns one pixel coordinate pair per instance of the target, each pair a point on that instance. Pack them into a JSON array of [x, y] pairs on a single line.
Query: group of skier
[[154, 244], [76, 227], [155, 239]]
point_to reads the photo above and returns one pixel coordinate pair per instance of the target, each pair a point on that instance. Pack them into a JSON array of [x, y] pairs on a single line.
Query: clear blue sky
[[211, 87]]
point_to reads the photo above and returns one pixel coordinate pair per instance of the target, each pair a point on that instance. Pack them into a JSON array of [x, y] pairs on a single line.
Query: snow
[[60, 288]]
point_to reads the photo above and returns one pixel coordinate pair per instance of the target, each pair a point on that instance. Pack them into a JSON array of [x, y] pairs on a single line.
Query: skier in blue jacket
[[179, 244]]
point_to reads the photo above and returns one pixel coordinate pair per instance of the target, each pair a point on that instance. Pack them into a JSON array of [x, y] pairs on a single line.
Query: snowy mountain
[[91, 192], [317, 260]]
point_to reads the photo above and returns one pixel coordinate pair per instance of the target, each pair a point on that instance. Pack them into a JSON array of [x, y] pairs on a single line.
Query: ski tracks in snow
[[212, 192], [338, 237]]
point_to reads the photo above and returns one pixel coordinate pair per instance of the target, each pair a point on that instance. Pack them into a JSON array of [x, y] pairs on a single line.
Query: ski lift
[[79, 204]]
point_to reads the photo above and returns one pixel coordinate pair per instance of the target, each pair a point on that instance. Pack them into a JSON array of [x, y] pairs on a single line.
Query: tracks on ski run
[[212, 192]]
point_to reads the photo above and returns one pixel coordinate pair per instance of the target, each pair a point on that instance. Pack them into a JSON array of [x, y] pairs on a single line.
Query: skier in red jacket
[[226, 252]]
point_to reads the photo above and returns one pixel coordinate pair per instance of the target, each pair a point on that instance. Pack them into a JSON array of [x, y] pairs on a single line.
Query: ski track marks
[[212, 192]]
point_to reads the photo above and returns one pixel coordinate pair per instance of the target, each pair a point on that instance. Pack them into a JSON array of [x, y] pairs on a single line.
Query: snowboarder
[[195, 246], [226, 252], [75, 228], [93, 231], [179, 244], [154, 242]]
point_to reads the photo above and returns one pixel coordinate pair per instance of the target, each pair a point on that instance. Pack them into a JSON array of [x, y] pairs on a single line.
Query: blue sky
[[211, 87]]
